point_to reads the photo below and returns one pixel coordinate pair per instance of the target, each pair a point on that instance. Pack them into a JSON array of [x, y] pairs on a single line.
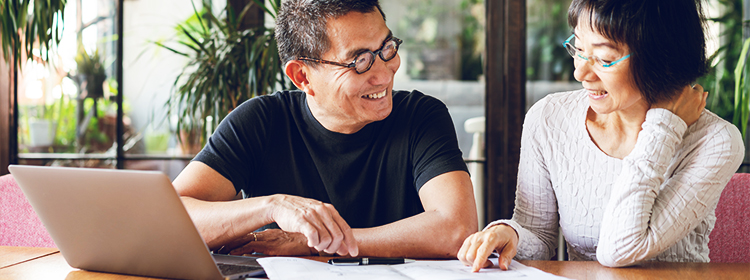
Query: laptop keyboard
[[229, 269]]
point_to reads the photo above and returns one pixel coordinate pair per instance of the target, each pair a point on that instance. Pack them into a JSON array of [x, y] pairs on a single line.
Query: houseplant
[[741, 91], [90, 73], [227, 65], [720, 80], [27, 23]]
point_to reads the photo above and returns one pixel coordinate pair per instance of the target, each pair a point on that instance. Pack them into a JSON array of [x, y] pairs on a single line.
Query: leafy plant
[[27, 23], [227, 65], [720, 80], [547, 28], [420, 27], [91, 73], [63, 111], [471, 39], [741, 91]]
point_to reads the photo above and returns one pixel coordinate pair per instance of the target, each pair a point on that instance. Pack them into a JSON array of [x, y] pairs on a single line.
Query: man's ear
[[298, 72]]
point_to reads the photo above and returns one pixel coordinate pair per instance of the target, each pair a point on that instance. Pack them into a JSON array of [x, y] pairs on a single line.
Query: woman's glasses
[[364, 61], [576, 53]]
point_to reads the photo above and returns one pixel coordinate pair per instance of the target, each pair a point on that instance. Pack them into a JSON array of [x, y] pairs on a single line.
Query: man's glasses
[[576, 53], [364, 61]]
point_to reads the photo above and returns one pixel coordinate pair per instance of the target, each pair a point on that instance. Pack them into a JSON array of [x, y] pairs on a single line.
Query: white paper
[[284, 268]]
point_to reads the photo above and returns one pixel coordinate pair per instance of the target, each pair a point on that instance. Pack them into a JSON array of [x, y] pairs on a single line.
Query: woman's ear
[[298, 72]]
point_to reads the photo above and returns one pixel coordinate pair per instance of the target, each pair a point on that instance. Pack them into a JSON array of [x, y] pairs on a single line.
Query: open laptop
[[123, 221]]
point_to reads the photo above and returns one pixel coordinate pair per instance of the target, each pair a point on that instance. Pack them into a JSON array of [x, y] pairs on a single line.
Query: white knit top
[[658, 202]]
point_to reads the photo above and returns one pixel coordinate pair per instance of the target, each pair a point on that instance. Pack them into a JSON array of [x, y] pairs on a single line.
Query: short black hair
[[301, 25], [666, 39]]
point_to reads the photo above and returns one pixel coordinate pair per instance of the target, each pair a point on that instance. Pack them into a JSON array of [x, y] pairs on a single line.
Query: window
[[68, 108], [442, 54]]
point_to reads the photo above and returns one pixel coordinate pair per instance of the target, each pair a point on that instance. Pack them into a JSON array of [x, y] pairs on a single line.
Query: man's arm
[[450, 216], [207, 195]]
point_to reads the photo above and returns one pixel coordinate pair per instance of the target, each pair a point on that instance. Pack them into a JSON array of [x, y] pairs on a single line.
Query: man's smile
[[375, 95]]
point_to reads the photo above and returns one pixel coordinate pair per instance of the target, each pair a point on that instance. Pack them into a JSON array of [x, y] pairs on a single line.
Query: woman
[[630, 167]]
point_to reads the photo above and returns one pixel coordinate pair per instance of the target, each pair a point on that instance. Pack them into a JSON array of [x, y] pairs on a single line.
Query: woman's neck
[[616, 133]]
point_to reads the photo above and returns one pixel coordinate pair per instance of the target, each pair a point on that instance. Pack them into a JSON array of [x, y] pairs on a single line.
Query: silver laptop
[[123, 221]]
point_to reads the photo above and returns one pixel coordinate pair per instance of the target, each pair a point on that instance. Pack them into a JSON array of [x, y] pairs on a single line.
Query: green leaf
[[226, 67], [741, 98]]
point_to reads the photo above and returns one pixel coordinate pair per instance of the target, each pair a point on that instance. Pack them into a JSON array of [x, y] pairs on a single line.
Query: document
[[285, 268]]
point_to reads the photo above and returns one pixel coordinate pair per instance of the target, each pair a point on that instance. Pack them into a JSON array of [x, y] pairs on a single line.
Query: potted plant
[[90, 74], [227, 65], [43, 128]]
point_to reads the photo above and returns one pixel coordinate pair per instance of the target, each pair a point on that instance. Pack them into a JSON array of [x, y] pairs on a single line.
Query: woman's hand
[[478, 247], [688, 104], [272, 242]]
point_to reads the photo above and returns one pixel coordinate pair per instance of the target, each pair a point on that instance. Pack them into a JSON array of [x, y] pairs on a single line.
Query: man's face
[[347, 101]]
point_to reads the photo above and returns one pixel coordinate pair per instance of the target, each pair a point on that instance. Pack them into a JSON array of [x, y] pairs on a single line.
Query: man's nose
[[382, 71]]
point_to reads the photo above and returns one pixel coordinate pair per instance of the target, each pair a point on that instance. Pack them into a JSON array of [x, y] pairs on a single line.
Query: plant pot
[[42, 133], [190, 142]]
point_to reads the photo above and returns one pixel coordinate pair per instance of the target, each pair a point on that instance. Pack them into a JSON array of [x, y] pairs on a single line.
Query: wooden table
[[47, 263], [14, 255], [648, 270]]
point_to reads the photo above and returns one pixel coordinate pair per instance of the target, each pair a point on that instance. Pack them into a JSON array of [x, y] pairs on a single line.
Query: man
[[344, 151]]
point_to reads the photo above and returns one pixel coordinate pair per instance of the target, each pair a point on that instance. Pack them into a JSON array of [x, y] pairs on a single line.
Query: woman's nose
[[584, 70]]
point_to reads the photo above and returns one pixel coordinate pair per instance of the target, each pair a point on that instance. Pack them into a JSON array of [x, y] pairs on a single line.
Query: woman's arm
[[535, 216], [532, 233], [648, 213]]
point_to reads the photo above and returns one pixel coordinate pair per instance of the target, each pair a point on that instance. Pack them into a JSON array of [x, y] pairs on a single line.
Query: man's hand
[[478, 247], [272, 242], [319, 222], [688, 104]]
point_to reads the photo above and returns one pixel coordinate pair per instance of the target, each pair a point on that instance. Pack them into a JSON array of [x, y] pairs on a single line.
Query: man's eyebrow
[[353, 53]]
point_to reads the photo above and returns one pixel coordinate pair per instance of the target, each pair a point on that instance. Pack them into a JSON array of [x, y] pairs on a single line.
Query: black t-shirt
[[273, 145]]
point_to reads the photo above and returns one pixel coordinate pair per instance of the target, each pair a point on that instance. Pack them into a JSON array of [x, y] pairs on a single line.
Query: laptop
[[123, 221]]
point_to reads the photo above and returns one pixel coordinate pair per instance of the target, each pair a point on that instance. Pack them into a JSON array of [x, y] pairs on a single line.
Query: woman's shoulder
[[711, 125], [721, 135], [714, 136]]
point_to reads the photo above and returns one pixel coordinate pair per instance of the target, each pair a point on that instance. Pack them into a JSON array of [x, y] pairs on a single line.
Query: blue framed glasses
[[576, 53]]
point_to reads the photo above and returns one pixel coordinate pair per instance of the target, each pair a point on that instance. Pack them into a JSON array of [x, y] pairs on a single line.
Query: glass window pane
[[68, 105], [549, 68], [149, 73], [171, 168], [70, 160], [442, 55], [446, 64]]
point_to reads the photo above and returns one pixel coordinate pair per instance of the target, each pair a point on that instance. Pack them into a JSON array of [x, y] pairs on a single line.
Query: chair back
[[729, 242], [19, 224]]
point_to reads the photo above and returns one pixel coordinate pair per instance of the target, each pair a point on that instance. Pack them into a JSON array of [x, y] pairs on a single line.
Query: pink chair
[[19, 224], [729, 242]]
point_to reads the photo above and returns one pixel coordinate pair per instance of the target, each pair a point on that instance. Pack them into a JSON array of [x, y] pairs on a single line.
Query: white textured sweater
[[657, 202]]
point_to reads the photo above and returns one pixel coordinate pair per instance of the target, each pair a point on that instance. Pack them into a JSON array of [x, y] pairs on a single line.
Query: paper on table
[[284, 268]]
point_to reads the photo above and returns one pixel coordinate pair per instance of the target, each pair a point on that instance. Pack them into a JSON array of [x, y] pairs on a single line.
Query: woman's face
[[610, 89]]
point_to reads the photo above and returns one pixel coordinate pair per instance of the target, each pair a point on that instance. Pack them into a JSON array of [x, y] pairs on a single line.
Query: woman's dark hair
[[666, 39], [301, 25]]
